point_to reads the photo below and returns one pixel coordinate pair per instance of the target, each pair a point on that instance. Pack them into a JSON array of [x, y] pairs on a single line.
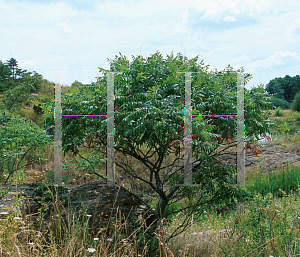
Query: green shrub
[[46, 99], [279, 102], [278, 112], [297, 116], [38, 109], [296, 103]]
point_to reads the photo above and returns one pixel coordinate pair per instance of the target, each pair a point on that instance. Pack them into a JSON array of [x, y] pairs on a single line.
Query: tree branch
[[12, 171], [99, 175]]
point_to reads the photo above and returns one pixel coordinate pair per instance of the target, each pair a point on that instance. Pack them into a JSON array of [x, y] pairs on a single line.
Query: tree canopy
[[149, 111], [12, 76], [283, 88]]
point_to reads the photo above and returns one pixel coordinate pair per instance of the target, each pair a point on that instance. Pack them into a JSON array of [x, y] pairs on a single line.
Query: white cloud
[[229, 18], [277, 59], [29, 65], [241, 59], [65, 35], [65, 26], [216, 10]]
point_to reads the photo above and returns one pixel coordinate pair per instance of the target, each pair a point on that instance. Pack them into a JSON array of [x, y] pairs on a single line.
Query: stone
[[96, 202]]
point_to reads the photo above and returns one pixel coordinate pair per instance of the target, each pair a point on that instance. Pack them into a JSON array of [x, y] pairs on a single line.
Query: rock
[[99, 201]]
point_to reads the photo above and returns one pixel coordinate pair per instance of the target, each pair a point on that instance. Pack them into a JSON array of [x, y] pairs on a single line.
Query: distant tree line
[[12, 76], [17, 84], [283, 90]]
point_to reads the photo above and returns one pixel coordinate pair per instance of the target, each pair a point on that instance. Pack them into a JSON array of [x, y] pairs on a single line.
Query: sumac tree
[[149, 111]]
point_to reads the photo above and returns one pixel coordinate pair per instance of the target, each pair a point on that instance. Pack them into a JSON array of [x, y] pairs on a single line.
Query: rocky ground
[[274, 155]]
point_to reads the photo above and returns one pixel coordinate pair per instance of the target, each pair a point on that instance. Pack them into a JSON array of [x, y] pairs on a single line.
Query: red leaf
[[195, 136], [165, 220]]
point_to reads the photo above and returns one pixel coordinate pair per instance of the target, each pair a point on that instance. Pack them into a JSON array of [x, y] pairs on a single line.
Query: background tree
[[14, 97], [33, 78], [11, 76], [5, 77], [283, 88], [278, 102], [149, 111], [13, 65], [76, 84], [295, 86], [296, 103], [274, 87]]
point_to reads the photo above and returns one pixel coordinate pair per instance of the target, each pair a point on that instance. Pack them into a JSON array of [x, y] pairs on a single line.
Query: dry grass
[[19, 238]]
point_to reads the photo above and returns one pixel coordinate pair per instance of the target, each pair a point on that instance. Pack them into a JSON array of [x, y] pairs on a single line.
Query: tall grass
[[279, 183], [27, 235]]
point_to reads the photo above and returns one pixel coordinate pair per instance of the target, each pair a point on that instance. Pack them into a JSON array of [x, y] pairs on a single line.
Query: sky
[[77, 36]]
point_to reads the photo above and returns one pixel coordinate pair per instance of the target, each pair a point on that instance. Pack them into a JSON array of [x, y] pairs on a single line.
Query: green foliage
[[6, 80], [285, 88], [145, 239], [149, 108], [38, 109], [296, 103], [34, 79], [13, 65], [278, 102], [297, 116], [18, 138], [284, 128], [269, 227], [279, 183], [46, 99], [46, 195], [278, 112], [274, 87], [11, 76], [256, 100], [15, 96], [49, 177], [76, 84], [89, 163]]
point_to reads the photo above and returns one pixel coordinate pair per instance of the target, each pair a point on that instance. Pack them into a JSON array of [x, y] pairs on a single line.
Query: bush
[[38, 109], [296, 103], [19, 137], [278, 102], [46, 99], [297, 116], [278, 112]]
